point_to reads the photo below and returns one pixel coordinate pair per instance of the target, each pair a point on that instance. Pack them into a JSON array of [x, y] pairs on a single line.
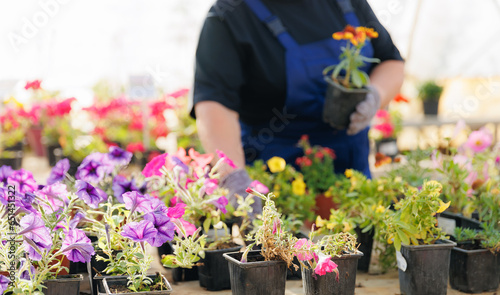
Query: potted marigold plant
[[422, 249], [347, 82], [329, 264], [264, 271]]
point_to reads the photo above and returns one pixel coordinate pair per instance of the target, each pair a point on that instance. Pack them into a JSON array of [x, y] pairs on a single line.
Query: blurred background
[[89, 50]]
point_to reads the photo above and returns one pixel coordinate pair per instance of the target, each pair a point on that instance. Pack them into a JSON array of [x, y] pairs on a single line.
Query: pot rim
[[117, 278], [232, 249], [229, 258], [444, 245], [471, 252], [350, 90], [67, 278]]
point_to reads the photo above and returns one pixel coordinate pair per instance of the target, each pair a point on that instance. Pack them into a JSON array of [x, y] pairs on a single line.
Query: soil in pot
[[473, 269], [328, 284], [63, 285], [427, 268], [213, 272], [256, 276]]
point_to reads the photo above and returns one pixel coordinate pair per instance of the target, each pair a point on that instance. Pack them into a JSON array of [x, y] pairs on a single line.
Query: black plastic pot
[[427, 268], [214, 272], [257, 276], [387, 146], [431, 107], [63, 285], [365, 247], [15, 160], [340, 103], [99, 266], [111, 282], [327, 284], [185, 274], [474, 271], [54, 152], [448, 221]]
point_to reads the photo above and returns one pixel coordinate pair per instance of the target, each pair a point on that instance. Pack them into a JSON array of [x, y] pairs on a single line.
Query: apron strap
[[348, 10], [273, 23]]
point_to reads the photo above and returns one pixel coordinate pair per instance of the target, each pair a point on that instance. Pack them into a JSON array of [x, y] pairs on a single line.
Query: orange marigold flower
[[381, 159], [400, 98], [356, 35]]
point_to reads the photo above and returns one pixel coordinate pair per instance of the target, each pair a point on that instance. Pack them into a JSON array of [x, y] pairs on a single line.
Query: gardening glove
[[365, 111], [237, 182]]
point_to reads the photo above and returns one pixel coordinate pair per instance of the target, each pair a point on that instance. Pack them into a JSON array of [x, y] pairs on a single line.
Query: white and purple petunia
[[77, 246], [119, 156], [135, 201], [94, 167], [91, 195], [37, 237], [23, 181], [55, 194], [4, 283], [139, 231], [59, 171]]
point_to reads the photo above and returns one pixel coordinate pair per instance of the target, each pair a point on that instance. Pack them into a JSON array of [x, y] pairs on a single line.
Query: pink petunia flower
[[259, 187], [325, 264], [154, 166], [304, 245], [228, 161], [479, 140]]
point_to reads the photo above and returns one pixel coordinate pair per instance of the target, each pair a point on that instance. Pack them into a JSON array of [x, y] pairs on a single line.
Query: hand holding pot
[[365, 111]]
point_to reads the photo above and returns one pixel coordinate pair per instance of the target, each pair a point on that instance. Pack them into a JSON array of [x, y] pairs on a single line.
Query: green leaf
[[357, 78], [397, 243], [169, 261], [403, 237], [206, 225]]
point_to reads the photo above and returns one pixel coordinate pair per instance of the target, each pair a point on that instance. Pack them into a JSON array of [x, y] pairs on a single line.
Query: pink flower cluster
[[324, 263]]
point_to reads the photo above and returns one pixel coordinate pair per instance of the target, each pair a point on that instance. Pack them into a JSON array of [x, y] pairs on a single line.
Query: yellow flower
[[13, 100], [443, 206], [299, 186], [380, 188], [319, 221], [347, 226], [380, 209], [390, 240], [348, 173], [495, 191], [277, 187], [276, 164], [398, 179], [331, 225]]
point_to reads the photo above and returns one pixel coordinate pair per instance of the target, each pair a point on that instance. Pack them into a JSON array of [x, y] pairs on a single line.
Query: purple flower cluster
[[59, 171], [91, 195], [23, 181], [37, 237], [77, 246]]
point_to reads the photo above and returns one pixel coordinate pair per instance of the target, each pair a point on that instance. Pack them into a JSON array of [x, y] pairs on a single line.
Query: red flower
[[381, 159], [160, 130], [35, 85], [158, 107], [330, 152], [307, 162], [134, 147], [400, 98], [387, 129], [179, 93], [308, 151], [304, 137], [319, 155]]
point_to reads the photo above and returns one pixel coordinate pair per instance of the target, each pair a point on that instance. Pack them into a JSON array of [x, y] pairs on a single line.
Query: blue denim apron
[[303, 109]]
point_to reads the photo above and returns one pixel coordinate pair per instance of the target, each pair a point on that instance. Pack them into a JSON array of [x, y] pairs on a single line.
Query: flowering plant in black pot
[[264, 271], [347, 83]]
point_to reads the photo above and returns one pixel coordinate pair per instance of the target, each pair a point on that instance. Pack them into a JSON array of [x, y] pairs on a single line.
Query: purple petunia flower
[[56, 195], [178, 163], [24, 202], [94, 167], [4, 283], [139, 231], [23, 180], [4, 196], [165, 228], [135, 201], [221, 204], [25, 275], [91, 195], [36, 235], [119, 156], [5, 172], [121, 185], [156, 205], [58, 172], [77, 246], [79, 216]]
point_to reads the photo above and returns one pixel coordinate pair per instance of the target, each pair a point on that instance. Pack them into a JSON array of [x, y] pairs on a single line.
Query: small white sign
[[401, 261], [388, 148]]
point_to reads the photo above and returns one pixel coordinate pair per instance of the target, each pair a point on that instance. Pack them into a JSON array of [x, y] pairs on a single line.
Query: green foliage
[[414, 220], [429, 91], [489, 237], [410, 168], [288, 202]]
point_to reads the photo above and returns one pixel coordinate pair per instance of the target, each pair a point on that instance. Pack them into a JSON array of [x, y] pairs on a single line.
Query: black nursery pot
[[431, 107], [110, 283], [340, 103], [427, 268], [178, 274], [99, 266], [54, 152], [15, 162], [63, 285], [327, 284], [365, 247], [474, 271], [257, 276], [214, 272]]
